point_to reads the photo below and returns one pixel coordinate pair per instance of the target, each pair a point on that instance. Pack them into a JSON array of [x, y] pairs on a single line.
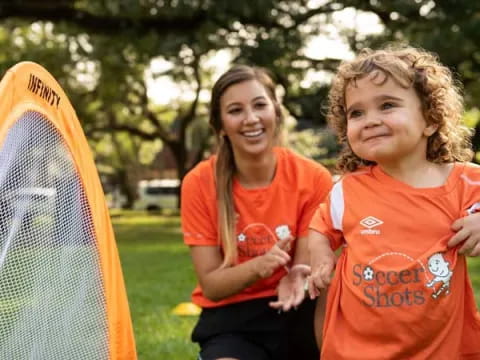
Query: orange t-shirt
[[286, 205], [398, 292]]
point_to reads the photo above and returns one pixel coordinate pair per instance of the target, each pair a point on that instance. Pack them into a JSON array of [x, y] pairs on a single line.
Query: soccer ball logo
[[368, 273]]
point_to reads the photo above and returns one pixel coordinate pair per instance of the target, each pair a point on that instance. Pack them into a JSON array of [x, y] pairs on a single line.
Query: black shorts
[[252, 330]]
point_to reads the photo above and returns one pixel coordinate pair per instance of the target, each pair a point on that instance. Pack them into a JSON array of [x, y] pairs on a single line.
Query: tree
[[112, 43], [117, 40]]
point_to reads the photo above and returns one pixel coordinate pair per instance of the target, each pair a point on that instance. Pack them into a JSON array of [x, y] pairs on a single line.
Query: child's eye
[[260, 105], [354, 114], [387, 105]]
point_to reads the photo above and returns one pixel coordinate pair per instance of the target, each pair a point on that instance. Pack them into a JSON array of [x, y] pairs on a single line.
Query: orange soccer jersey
[[398, 292], [285, 206]]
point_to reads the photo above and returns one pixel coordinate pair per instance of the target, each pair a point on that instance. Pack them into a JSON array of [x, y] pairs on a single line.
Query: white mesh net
[[52, 304]]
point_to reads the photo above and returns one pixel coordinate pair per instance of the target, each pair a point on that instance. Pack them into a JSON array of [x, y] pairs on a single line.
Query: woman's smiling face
[[248, 118]]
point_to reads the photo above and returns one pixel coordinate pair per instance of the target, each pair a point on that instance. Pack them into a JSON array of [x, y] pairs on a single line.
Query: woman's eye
[[234, 111]]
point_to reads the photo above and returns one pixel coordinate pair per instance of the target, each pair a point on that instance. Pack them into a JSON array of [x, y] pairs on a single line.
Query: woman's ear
[[430, 130]]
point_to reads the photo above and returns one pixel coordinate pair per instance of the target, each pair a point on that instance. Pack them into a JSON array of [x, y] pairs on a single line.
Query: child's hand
[[467, 231], [321, 274], [277, 256], [291, 288]]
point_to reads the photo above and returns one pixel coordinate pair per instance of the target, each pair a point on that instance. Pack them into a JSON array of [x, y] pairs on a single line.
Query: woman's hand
[[291, 288], [266, 264]]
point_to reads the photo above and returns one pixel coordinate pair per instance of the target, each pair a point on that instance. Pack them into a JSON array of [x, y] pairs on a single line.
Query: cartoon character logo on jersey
[[283, 232], [440, 269]]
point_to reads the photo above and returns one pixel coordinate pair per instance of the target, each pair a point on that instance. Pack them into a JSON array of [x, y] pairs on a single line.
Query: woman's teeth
[[253, 133]]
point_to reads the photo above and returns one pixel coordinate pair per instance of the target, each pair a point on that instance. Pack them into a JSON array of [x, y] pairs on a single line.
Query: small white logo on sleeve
[[370, 222]]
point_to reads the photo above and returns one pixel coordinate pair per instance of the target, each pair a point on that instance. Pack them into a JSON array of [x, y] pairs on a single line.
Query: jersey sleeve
[[328, 218], [471, 198], [321, 186], [198, 222]]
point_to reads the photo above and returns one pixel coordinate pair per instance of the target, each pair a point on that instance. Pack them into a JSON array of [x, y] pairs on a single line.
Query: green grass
[[474, 271], [159, 275]]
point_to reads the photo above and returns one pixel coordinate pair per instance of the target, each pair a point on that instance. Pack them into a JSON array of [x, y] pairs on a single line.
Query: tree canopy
[[102, 52]]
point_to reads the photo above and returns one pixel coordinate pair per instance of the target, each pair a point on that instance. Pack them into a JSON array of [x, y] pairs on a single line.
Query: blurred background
[[138, 73]]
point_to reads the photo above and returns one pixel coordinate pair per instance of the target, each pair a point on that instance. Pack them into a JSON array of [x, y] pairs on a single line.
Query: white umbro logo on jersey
[[370, 222]]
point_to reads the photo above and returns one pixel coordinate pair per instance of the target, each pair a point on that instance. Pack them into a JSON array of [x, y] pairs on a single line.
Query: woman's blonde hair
[[442, 102], [225, 163]]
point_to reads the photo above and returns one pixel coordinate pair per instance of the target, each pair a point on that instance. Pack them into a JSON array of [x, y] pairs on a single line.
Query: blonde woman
[[245, 216]]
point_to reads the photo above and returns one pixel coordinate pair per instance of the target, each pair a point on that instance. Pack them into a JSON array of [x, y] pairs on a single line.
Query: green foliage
[[101, 52], [471, 117]]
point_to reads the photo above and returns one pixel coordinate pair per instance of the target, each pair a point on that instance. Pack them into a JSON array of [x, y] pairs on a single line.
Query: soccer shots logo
[[257, 238], [408, 282]]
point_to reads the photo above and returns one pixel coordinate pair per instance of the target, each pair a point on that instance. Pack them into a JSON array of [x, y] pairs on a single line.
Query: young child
[[399, 290]]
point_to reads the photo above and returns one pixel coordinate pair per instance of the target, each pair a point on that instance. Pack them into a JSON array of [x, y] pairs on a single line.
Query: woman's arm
[[218, 282]]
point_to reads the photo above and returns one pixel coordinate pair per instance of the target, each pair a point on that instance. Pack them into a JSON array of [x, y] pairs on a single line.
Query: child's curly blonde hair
[[442, 102]]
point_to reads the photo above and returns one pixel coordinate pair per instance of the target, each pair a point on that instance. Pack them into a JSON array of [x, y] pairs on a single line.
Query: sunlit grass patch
[[159, 275]]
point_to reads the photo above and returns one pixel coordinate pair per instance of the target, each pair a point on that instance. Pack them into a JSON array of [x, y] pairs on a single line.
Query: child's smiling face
[[385, 122]]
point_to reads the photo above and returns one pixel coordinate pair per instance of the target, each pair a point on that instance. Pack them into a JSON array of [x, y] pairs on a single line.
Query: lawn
[[159, 275]]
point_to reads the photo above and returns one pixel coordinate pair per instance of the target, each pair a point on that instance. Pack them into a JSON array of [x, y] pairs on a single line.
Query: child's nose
[[372, 119]]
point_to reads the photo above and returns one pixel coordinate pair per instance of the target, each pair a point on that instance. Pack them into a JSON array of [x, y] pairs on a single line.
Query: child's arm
[[322, 261], [467, 231], [319, 318]]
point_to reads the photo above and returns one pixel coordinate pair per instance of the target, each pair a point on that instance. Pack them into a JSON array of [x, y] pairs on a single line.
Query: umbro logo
[[370, 222]]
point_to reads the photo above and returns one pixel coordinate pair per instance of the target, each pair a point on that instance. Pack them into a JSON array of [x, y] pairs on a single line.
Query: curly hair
[[439, 94]]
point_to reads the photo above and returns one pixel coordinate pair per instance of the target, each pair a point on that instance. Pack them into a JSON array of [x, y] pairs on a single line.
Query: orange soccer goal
[[62, 294]]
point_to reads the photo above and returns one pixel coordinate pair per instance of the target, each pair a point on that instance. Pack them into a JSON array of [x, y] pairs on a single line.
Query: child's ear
[[430, 130]]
